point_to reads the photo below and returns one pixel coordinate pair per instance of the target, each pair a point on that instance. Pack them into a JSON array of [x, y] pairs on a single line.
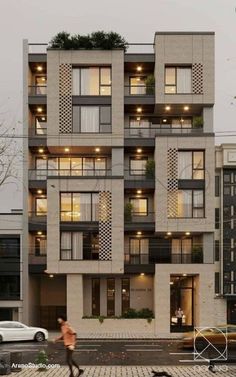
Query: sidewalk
[[139, 371], [107, 335]]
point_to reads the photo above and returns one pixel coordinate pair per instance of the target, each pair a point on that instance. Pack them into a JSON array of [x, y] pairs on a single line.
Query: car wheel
[[39, 337]]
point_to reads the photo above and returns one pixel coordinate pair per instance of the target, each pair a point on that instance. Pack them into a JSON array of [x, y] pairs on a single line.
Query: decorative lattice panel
[[197, 78], [105, 225], [65, 98], [172, 182]]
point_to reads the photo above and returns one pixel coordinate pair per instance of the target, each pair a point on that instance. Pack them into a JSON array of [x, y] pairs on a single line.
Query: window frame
[[193, 151], [139, 254], [193, 207], [100, 85], [175, 67], [141, 86], [147, 206], [92, 215], [136, 158], [100, 123], [35, 204]]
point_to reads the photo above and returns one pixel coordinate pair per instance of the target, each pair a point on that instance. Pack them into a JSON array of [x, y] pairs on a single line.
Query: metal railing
[[38, 251], [140, 48], [37, 90], [38, 132], [42, 174], [37, 48], [138, 175], [140, 217], [139, 90], [86, 254], [163, 258], [153, 130], [37, 215]]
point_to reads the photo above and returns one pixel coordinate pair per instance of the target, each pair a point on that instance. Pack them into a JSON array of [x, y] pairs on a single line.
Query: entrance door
[[231, 312], [6, 314]]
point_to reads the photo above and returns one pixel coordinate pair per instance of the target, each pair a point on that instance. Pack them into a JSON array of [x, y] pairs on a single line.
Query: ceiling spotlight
[[67, 149], [39, 191], [39, 233], [187, 233], [138, 118], [43, 79], [169, 233], [139, 109], [164, 120], [139, 233], [51, 276], [186, 108], [43, 118], [184, 274], [142, 274], [41, 150], [139, 68], [39, 68], [167, 108], [97, 149], [39, 109], [139, 150], [139, 191]]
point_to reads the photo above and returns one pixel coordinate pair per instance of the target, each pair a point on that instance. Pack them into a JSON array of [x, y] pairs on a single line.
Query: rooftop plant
[[96, 40]]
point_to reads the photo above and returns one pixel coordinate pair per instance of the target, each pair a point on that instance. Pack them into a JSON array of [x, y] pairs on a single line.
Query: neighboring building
[[11, 302], [226, 225], [119, 196]]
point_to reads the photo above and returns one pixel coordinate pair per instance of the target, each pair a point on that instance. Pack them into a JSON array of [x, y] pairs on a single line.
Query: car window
[[5, 325], [17, 325]]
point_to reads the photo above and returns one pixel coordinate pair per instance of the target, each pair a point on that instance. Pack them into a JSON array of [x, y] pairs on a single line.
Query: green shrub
[[130, 313], [198, 122], [150, 84], [128, 211], [42, 360], [150, 169], [145, 313]]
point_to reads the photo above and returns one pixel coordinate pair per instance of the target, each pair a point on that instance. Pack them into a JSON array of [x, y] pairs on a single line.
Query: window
[[138, 251], [91, 81], [79, 206], [191, 165], [139, 206], [125, 295], [178, 80], [139, 122], [90, 246], [40, 246], [137, 85], [190, 203], [9, 247], [41, 125], [181, 250], [227, 190], [181, 123], [110, 297], [96, 297], [41, 206], [217, 218], [40, 85], [9, 287], [91, 119], [227, 177], [138, 166], [217, 185], [217, 250], [217, 282], [71, 245]]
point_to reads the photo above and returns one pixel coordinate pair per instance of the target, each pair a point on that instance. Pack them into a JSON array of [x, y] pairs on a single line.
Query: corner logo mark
[[210, 343]]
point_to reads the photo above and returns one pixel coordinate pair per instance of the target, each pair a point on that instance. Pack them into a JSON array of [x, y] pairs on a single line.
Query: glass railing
[[140, 217], [139, 175], [157, 129], [38, 132], [37, 90], [37, 48], [40, 215], [42, 174], [139, 90], [163, 258]]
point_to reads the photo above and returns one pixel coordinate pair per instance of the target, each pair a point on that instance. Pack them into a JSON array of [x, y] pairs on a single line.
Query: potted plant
[[150, 84], [128, 211], [198, 122], [42, 360], [150, 169], [197, 254]]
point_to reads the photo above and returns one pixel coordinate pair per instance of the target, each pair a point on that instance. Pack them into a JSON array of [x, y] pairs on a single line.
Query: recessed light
[[43, 79], [39, 191], [67, 149], [139, 150], [142, 274], [39, 109], [164, 120], [138, 79], [39, 68], [187, 233], [138, 118], [39, 233], [171, 282], [139, 233], [51, 276], [139, 109], [139, 68], [181, 120], [169, 233], [167, 108], [41, 150], [139, 191], [184, 274], [186, 108], [97, 149], [43, 118]]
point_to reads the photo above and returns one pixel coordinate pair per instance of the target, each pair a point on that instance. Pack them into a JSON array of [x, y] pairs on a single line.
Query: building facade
[[11, 266], [119, 206]]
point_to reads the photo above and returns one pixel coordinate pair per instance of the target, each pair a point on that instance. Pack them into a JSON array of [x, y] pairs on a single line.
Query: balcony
[[139, 221], [43, 174], [37, 90], [139, 179], [37, 221], [158, 129], [141, 94], [136, 259]]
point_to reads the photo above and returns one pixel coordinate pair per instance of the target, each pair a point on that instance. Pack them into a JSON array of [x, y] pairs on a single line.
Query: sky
[[38, 21]]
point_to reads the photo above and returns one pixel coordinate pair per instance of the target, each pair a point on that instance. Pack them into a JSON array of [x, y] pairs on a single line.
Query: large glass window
[[138, 166], [79, 207], [90, 246], [78, 246], [9, 287], [138, 250], [9, 247], [191, 165], [40, 244], [96, 296], [139, 206], [190, 203], [91, 119], [110, 297], [92, 81], [41, 206], [178, 80], [41, 125], [125, 295], [137, 85]]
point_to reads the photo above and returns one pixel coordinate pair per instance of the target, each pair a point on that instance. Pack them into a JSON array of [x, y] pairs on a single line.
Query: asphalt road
[[109, 352]]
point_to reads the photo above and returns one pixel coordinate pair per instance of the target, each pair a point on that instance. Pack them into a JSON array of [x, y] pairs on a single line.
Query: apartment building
[[11, 266], [225, 255], [119, 206]]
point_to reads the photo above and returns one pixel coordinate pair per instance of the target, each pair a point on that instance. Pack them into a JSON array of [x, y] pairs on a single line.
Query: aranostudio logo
[[210, 343]]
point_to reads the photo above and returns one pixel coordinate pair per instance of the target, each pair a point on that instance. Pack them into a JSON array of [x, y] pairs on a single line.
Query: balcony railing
[[38, 252], [42, 174], [86, 254], [37, 90], [37, 48], [153, 130], [138, 175], [139, 90], [38, 132], [140, 217], [162, 258], [37, 215]]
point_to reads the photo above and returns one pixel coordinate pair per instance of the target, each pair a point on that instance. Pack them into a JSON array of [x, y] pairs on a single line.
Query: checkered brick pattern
[[65, 98], [105, 225], [172, 182], [197, 78]]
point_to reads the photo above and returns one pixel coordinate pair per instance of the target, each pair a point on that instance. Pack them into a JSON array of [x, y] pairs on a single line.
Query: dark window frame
[[100, 85], [123, 281], [147, 206], [113, 280], [99, 119], [192, 163], [192, 205], [189, 66], [91, 205]]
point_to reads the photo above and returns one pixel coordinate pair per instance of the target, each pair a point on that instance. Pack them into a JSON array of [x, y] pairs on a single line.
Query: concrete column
[[208, 119], [208, 248], [206, 305], [162, 303], [118, 297], [75, 307], [117, 161], [103, 297]]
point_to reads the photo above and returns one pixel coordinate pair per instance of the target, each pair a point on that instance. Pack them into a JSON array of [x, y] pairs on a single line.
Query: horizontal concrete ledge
[[184, 33]]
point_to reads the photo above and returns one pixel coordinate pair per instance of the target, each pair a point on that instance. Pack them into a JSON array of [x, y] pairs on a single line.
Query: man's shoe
[[81, 371]]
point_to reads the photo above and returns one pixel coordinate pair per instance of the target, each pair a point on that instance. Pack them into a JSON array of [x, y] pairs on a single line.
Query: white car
[[13, 330]]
